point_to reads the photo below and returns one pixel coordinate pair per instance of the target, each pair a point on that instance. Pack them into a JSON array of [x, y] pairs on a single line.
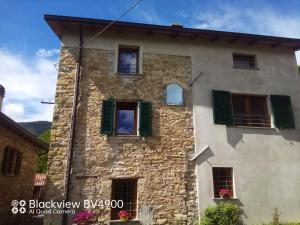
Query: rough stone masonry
[[166, 189]]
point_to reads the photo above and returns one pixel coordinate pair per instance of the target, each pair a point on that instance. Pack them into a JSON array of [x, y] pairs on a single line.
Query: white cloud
[[148, 14], [14, 109], [47, 53], [27, 83], [259, 21]]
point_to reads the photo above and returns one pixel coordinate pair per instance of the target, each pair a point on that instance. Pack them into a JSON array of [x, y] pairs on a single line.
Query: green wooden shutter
[[145, 119], [282, 111], [107, 120], [222, 107], [18, 163], [7, 160]]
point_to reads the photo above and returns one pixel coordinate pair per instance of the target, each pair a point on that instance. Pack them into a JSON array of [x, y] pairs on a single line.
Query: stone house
[[133, 120], [18, 154]]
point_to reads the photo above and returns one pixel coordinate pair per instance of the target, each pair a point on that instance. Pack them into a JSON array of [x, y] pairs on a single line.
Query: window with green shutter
[[222, 107], [282, 111], [107, 120], [145, 119]]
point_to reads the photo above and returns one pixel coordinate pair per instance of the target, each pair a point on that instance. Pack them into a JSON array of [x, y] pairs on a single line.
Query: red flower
[[225, 193], [84, 217], [123, 214]]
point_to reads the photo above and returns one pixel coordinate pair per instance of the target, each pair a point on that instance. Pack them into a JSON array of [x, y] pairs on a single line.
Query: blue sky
[[29, 48]]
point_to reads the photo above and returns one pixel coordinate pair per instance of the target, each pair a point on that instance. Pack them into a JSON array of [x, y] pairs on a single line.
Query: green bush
[[223, 214], [296, 223], [276, 219]]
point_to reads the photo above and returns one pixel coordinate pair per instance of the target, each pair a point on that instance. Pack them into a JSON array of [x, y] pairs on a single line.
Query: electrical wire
[[102, 30], [108, 25]]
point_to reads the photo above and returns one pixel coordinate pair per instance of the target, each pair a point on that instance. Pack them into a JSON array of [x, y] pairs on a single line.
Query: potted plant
[[225, 193], [84, 217], [123, 215]]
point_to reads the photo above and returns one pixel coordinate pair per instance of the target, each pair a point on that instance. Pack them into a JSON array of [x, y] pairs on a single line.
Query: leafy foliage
[[43, 157], [223, 214], [45, 137]]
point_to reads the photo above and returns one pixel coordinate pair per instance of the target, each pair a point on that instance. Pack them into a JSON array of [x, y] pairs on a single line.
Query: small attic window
[[128, 59], [244, 61]]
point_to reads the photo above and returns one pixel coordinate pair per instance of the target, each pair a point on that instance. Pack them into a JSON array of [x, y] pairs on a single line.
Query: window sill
[[127, 136], [224, 199], [248, 127], [128, 75], [245, 68], [10, 175], [174, 105], [135, 221]]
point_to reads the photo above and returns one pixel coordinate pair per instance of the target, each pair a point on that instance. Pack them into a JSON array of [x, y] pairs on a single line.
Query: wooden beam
[[174, 35], [233, 40], [120, 30], [297, 48], [276, 44], [150, 32], [252, 42], [214, 39], [193, 36]]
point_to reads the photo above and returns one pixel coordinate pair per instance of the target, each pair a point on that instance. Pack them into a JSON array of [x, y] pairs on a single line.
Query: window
[[128, 60], [11, 162], [244, 61], [126, 190], [126, 118], [174, 94], [223, 179], [240, 109], [250, 110]]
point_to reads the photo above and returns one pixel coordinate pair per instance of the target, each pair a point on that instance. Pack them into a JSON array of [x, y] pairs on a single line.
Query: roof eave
[[57, 22]]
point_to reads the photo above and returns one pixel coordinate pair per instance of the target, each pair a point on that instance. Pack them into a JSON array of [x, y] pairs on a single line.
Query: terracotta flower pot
[[124, 219]]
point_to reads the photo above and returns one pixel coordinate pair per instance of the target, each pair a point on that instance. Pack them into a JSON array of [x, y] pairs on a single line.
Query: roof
[[59, 24], [40, 179], [15, 127]]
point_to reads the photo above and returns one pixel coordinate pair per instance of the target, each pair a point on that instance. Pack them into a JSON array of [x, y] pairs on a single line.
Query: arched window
[[174, 94]]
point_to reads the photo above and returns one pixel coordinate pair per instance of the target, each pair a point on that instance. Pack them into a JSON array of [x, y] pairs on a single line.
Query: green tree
[[43, 156]]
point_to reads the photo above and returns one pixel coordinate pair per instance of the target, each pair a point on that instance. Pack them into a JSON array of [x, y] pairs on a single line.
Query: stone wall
[[166, 181], [20, 186], [60, 131]]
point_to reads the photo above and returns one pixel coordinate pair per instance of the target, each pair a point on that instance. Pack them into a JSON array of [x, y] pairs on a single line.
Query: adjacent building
[[19, 153], [165, 117]]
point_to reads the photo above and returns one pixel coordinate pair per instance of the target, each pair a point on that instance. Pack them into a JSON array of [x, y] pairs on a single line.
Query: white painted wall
[[266, 162]]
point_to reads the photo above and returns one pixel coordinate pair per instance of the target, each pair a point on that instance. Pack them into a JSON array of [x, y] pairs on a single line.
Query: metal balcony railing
[[251, 120]]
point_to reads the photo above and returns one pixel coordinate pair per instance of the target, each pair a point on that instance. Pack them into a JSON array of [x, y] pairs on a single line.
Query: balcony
[[251, 120]]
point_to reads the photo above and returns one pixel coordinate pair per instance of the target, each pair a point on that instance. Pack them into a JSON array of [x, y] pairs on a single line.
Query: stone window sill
[[117, 222], [127, 136], [126, 75], [246, 68], [224, 199]]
